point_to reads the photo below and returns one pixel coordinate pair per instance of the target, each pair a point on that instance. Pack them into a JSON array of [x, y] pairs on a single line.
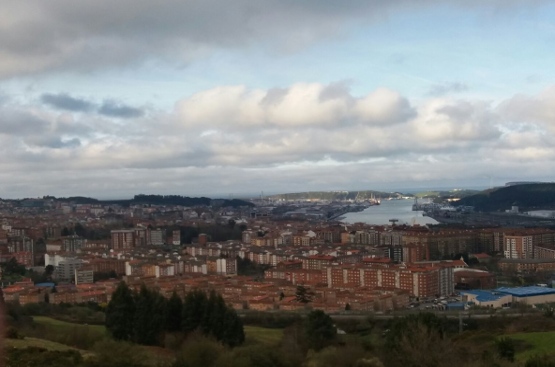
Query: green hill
[[446, 194], [526, 196], [335, 195], [144, 199]]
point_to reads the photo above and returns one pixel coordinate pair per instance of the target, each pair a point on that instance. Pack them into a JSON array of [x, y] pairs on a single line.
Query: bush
[[34, 356], [12, 333], [199, 350], [111, 353]]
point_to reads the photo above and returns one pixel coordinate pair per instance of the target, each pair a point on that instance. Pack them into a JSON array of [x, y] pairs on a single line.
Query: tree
[[79, 230], [120, 313], [174, 313], [48, 271], [303, 294], [420, 337], [506, 348], [149, 320], [247, 267], [233, 331], [319, 329], [212, 317], [405, 326], [194, 307], [12, 267]]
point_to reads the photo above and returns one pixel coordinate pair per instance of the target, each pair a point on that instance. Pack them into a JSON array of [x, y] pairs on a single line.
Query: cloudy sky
[[211, 97]]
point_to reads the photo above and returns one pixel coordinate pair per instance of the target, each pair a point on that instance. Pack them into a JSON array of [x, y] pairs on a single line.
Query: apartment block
[[123, 239], [84, 276], [518, 246]]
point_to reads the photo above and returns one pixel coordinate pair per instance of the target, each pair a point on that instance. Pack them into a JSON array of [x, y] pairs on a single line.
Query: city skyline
[[211, 98]]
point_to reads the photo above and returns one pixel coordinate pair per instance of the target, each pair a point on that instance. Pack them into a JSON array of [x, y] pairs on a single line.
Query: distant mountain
[[525, 196], [154, 200]]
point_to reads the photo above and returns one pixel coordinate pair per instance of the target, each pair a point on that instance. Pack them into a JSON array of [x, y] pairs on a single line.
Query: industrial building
[[503, 297]]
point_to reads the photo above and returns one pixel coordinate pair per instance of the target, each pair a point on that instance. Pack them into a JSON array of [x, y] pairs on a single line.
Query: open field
[[535, 344], [253, 333], [74, 335], [53, 334], [40, 343], [270, 337], [62, 326]]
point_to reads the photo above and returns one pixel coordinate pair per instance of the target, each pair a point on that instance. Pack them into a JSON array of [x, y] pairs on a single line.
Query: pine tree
[[233, 333], [206, 323], [160, 316], [212, 317], [218, 318], [120, 313], [194, 307], [149, 317], [143, 310], [174, 313], [303, 294], [319, 329]]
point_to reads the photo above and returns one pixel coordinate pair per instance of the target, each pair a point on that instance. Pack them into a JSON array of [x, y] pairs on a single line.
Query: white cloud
[[383, 107], [301, 105], [524, 109], [446, 122], [275, 137]]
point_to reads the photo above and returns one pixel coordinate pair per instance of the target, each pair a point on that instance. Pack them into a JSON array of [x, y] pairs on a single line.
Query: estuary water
[[389, 209]]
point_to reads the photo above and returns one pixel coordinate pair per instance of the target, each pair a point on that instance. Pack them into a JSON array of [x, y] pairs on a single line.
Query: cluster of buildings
[[359, 267]]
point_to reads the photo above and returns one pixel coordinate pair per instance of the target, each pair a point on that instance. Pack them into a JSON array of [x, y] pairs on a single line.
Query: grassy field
[[534, 344], [74, 335], [253, 333], [40, 343], [64, 326], [270, 337], [54, 334]]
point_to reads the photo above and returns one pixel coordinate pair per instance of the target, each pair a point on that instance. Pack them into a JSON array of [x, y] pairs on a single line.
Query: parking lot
[[435, 303]]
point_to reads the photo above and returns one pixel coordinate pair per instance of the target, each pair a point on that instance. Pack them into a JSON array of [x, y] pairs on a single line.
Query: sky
[[110, 99]]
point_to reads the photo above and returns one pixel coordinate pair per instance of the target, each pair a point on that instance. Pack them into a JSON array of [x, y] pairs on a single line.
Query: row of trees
[[145, 316]]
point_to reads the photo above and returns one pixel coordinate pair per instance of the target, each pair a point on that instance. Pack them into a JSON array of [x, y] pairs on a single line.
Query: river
[[389, 209]]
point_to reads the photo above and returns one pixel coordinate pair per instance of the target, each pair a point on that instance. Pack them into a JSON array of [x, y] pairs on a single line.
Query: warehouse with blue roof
[[504, 296]]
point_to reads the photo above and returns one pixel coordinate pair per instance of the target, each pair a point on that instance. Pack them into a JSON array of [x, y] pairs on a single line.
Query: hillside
[[336, 195], [526, 197], [141, 200], [458, 193]]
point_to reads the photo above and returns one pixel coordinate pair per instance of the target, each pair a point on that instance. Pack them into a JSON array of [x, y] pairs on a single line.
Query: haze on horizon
[[110, 99]]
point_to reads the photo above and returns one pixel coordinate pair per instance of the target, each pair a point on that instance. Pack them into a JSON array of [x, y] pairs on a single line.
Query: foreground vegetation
[[288, 340], [146, 317]]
